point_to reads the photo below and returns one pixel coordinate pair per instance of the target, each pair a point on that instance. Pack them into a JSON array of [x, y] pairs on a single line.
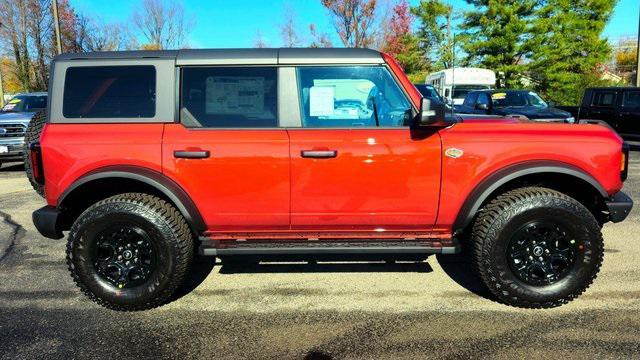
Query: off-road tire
[[492, 232], [170, 233], [34, 130]]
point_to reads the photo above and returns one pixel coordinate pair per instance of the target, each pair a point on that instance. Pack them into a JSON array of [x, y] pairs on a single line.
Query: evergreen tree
[[495, 36], [435, 45], [569, 50]]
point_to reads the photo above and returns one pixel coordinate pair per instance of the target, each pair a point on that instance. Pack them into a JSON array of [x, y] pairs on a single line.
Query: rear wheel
[[130, 252], [536, 248], [34, 130]]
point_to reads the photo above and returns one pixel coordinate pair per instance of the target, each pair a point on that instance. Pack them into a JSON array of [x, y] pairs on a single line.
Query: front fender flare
[[491, 183]]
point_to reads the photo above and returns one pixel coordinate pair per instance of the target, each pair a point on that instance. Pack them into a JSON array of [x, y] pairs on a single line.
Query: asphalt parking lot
[[323, 311]]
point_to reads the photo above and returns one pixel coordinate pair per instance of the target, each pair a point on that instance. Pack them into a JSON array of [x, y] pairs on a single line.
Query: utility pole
[[1, 88], [56, 22], [638, 54]]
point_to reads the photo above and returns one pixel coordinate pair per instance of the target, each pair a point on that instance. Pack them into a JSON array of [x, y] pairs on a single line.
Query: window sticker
[[8, 107], [498, 96], [233, 95], [321, 101], [15, 101]]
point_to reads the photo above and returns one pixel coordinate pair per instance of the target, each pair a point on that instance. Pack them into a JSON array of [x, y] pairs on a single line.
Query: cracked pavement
[[323, 311]]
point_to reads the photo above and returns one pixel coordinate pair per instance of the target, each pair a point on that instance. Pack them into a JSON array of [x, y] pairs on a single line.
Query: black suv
[[617, 107], [523, 104]]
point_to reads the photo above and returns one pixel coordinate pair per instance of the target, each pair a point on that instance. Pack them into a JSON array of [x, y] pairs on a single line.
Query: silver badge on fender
[[453, 153]]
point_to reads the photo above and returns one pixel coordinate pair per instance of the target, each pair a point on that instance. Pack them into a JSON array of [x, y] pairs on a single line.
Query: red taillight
[[36, 162]]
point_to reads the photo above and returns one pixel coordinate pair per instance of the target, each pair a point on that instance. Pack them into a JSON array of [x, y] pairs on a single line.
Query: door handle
[[199, 154], [319, 154]]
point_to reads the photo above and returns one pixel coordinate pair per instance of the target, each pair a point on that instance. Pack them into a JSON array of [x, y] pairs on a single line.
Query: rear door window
[[110, 92], [229, 97]]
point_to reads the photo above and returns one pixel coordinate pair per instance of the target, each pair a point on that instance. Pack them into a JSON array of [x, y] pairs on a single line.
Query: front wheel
[[130, 252], [536, 247]]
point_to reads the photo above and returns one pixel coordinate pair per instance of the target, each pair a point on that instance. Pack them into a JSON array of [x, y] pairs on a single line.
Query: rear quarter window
[[632, 99], [604, 98], [110, 92]]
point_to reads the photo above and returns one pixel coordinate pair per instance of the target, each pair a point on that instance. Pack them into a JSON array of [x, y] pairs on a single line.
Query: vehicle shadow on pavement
[[460, 269], [12, 167], [201, 267], [324, 267]]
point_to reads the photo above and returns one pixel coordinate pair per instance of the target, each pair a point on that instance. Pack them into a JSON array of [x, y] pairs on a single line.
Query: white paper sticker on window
[[234, 95], [321, 101]]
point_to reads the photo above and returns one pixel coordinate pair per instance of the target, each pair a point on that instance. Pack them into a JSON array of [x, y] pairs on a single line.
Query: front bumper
[[16, 149], [48, 222], [619, 205]]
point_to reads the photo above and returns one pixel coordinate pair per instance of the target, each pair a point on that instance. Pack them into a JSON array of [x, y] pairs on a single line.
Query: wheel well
[[570, 185], [89, 193], [573, 186]]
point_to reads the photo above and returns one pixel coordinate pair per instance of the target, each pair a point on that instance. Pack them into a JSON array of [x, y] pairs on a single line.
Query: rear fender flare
[[160, 182]]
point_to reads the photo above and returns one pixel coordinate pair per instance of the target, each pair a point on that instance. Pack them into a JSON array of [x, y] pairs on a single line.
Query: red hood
[[491, 119]]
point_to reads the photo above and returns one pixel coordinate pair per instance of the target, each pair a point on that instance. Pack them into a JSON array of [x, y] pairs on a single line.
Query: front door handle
[[319, 154], [183, 154]]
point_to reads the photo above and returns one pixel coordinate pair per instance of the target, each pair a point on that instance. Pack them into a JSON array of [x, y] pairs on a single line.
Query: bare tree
[[259, 41], [353, 20], [318, 40], [39, 26], [163, 23], [288, 28], [14, 29]]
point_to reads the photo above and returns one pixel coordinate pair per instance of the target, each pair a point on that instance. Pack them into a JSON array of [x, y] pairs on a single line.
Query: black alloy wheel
[[542, 253], [124, 255]]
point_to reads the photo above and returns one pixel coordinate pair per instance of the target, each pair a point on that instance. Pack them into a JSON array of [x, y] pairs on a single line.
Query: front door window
[[351, 97]]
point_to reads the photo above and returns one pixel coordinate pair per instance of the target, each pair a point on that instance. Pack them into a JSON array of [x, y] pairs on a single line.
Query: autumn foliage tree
[[400, 42], [353, 20]]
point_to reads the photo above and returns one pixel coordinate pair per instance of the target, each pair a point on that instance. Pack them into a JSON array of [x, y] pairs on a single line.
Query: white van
[[454, 84]]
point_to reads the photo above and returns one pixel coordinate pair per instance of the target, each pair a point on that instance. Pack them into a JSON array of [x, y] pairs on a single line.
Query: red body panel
[[381, 179], [243, 185], [491, 146], [384, 183], [72, 150]]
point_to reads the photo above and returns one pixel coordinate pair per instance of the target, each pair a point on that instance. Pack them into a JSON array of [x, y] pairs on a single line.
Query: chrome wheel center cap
[[538, 251]]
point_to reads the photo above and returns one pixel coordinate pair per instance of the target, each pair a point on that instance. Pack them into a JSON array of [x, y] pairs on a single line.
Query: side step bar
[[214, 248]]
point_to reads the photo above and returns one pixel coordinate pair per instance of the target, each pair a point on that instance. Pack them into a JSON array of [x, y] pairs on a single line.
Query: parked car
[[14, 119], [617, 107], [430, 92], [522, 104], [147, 157]]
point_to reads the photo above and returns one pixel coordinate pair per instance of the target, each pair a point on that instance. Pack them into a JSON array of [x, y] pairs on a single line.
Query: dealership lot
[[362, 310]]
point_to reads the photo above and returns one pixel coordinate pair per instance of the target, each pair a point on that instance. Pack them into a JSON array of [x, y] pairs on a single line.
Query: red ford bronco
[[147, 157]]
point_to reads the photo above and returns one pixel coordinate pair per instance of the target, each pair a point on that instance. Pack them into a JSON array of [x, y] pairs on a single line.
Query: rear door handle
[[319, 154], [182, 154]]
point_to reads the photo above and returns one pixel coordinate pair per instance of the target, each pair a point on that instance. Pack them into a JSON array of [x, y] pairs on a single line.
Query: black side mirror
[[481, 106], [431, 113]]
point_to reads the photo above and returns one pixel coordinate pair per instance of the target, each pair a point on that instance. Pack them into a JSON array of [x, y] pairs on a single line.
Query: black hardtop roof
[[615, 88], [262, 56]]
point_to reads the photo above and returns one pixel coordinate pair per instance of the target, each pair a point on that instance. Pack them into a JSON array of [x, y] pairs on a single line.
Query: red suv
[[146, 157]]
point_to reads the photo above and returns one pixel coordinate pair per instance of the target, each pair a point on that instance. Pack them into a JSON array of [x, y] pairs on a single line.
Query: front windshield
[[460, 92], [23, 103], [517, 99]]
